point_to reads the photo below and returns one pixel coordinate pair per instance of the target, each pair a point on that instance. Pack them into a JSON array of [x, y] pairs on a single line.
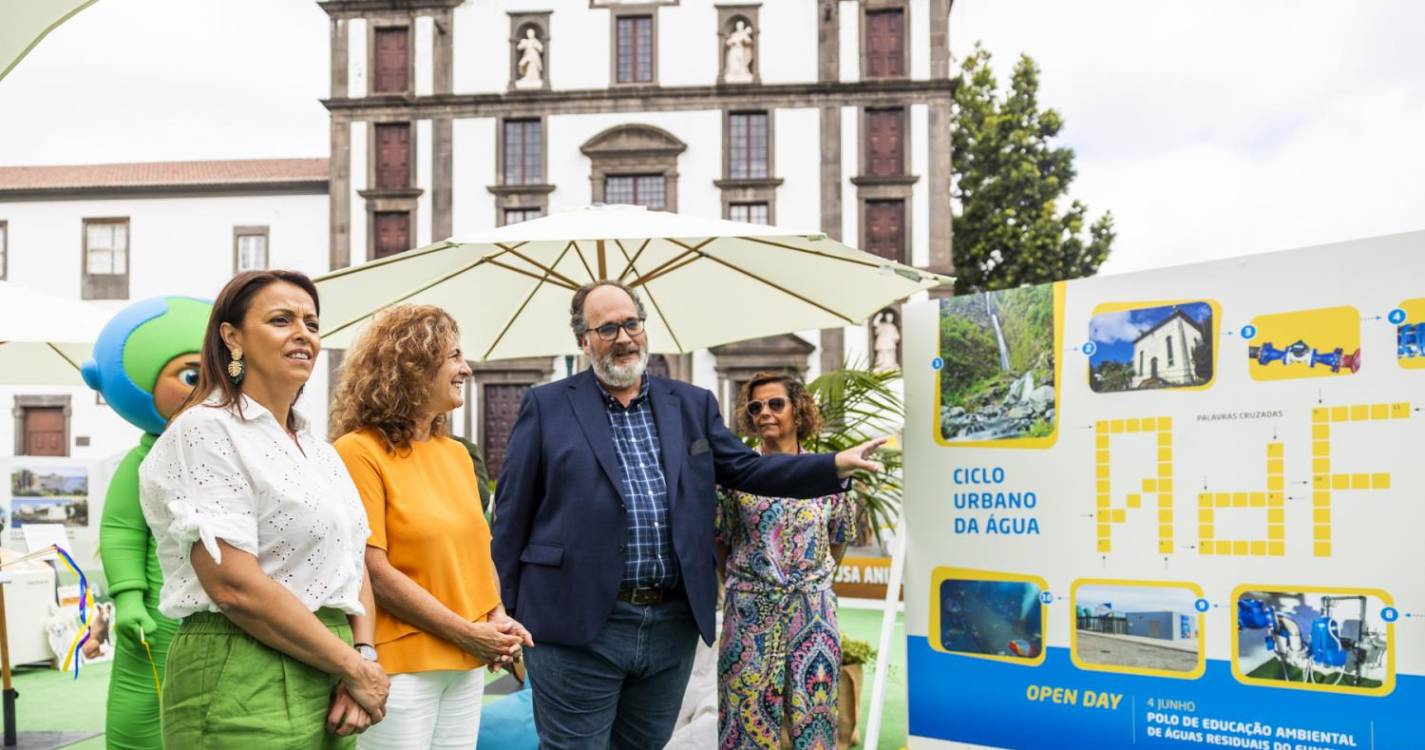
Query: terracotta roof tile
[[250, 172]]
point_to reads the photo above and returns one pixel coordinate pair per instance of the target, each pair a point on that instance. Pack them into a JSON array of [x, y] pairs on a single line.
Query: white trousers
[[429, 710]]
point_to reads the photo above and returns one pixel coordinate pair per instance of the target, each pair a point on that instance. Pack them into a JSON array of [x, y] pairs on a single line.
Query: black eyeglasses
[[609, 331], [775, 405]]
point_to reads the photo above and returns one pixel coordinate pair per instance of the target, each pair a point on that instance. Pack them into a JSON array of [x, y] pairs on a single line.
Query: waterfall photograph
[[997, 380]]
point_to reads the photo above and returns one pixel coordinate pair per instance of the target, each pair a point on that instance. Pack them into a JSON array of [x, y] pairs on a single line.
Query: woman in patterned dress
[[780, 650]]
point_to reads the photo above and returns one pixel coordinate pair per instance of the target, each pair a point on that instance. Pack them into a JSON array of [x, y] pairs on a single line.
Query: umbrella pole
[[9, 690]]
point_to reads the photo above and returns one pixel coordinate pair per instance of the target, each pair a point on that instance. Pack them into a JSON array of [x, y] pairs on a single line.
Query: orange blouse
[[424, 510]]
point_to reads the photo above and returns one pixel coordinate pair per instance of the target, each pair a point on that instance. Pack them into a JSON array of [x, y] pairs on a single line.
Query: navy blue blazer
[[560, 522]]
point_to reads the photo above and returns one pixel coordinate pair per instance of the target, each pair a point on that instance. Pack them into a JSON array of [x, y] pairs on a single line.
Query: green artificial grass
[[54, 701], [865, 625]]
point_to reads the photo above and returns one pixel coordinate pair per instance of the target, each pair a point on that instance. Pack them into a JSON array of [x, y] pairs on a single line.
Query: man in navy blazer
[[603, 527]]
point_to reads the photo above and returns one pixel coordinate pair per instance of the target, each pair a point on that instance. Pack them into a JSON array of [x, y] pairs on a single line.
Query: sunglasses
[[774, 405]]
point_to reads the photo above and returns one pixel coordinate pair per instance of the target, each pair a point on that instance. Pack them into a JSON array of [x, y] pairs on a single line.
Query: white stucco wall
[[799, 167], [356, 57], [177, 245], [918, 223], [787, 41], [358, 223], [423, 51], [421, 178], [473, 171]]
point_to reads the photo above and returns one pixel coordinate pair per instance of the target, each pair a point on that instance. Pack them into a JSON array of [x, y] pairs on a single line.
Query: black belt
[[649, 595]]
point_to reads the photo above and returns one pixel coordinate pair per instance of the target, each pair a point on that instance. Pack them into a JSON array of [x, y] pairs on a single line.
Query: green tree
[[1007, 183]]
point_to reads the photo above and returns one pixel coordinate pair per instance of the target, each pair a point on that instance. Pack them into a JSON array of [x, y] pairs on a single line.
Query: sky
[[1113, 333], [1210, 128]]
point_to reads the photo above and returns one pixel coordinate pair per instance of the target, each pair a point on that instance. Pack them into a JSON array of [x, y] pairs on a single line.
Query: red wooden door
[[393, 56], [498, 409], [885, 44], [393, 156], [393, 232], [885, 229], [885, 152], [44, 431]]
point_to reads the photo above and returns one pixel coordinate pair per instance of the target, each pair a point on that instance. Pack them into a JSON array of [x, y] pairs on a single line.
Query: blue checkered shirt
[[650, 542]]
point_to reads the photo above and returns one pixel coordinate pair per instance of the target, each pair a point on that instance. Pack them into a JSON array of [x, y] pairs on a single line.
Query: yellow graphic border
[[1215, 335], [1387, 685], [944, 573], [1192, 674], [1039, 443]]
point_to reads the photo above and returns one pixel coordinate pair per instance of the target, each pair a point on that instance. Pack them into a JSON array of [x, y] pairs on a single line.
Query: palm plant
[[859, 405]]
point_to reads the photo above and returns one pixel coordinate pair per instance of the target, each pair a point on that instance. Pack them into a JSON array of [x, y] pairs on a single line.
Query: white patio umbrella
[[24, 23], [44, 338], [704, 281]]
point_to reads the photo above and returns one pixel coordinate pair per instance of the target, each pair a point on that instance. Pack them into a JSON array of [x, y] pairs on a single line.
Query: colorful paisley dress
[[780, 652]]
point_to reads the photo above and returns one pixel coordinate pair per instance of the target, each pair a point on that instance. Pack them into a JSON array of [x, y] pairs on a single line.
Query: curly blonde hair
[[805, 413], [385, 378]]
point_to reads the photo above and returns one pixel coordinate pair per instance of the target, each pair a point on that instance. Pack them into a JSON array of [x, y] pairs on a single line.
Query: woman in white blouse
[[261, 537]]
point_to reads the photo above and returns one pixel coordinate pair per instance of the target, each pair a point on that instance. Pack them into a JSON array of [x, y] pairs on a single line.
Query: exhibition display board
[[1171, 509]]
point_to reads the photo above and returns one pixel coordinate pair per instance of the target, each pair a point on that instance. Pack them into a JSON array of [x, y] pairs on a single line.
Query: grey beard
[[620, 377]]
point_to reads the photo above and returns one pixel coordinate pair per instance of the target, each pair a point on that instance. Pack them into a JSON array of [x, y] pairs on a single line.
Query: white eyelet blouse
[[215, 475]]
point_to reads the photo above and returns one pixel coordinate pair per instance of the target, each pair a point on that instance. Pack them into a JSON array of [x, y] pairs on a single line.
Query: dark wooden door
[[393, 56], [885, 229], [885, 44], [393, 232], [45, 431], [393, 156], [885, 153], [498, 409]]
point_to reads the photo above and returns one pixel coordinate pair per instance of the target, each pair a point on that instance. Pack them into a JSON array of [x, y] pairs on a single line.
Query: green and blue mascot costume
[[145, 364]]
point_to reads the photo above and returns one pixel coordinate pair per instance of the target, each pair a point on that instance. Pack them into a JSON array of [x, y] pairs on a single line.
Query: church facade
[[450, 116]]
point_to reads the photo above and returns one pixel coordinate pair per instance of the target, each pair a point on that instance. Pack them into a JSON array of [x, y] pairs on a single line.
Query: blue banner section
[[1057, 705]]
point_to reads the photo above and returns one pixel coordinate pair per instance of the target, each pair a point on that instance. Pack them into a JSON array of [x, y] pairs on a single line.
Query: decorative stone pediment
[[628, 140]]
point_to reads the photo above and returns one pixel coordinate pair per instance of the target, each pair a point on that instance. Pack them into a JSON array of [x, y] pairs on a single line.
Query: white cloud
[[1109, 328], [152, 80], [1220, 128]]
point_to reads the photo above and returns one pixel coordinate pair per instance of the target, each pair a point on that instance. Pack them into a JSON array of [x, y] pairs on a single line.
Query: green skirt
[[225, 689]]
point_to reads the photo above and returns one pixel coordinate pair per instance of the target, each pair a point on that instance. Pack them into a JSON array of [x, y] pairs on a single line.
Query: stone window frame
[[894, 187], [650, 158], [862, 127], [390, 199], [895, 191], [737, 362], [391, 21], [527, 371], [117, 285], [263, 231], [727, 16], [620, 10], [4, 249], [756, 190], [871, 6], [23, 402], [519, 21], [534, 196], [615, 4], [371, 156]]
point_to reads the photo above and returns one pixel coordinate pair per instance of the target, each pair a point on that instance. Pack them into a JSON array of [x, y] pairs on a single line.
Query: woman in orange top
[[439, 616]]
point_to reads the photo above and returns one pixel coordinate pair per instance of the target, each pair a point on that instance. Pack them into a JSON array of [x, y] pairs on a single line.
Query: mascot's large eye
[[188, 376]]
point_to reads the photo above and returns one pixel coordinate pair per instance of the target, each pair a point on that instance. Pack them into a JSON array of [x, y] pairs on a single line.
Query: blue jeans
[[623, 689]]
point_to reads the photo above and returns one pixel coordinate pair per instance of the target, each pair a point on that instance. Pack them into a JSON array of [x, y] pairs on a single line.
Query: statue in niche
[[886, 341], [531, 62], [737, 66]]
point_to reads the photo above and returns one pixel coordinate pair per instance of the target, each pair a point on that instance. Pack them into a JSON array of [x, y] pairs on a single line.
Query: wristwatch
[[367, 651]]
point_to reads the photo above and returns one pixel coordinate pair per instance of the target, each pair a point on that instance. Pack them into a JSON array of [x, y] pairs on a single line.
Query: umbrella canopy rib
[[580, 254], [437, 282], [658, 271], [548, 270], [510, 323], [780, 288], [561, 281], [651, 299], [636, 256], [372, 264], [62, 355], [687, 258], [813, 253]]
